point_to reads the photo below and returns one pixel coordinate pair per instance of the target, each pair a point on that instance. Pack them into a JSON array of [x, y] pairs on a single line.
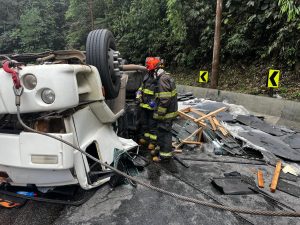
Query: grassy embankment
[[245, 79]]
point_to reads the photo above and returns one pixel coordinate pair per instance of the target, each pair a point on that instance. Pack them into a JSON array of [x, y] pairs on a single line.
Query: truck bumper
[[30, 158]]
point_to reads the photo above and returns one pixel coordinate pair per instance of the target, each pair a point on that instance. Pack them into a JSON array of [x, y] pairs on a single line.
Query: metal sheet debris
[[271, 144], [232, 186], [293, 140], [257, 123], [288, 188]]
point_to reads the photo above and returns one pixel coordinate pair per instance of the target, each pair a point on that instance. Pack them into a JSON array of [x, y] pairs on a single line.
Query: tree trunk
[[91, 11], [217, 46]]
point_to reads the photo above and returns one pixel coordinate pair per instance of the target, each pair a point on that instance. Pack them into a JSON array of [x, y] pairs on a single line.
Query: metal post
[[217, 46]]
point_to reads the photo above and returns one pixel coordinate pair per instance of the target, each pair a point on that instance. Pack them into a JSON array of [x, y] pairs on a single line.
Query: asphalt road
[[128, 205]]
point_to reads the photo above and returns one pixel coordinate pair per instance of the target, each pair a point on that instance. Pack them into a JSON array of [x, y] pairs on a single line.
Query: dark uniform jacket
[[160, 95]]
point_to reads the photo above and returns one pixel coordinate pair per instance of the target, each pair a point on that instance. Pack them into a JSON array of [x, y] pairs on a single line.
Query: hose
[[172, 194]]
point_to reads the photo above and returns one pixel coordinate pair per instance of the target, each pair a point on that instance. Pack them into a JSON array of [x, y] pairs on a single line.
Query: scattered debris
[[270, 143], [290, 169], [259, 124], [275, 177], [186, 96], [260, 179], [287, 176], [192, 134], [232, 186], [288, 188], [293, 141], [11, 202]]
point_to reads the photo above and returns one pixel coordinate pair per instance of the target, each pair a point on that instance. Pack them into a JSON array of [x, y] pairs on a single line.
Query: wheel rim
[[114, 62]]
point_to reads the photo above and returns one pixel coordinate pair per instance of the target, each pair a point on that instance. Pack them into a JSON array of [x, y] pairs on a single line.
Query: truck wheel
[[102, 53]]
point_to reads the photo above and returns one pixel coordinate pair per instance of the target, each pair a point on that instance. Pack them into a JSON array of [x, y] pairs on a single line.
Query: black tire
[[98, 45]]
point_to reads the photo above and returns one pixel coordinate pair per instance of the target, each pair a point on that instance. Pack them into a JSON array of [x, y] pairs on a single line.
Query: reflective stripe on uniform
[[146, 106], [162, 109], [148, 92], [166, 154], [151, 136], [169, 94], [167, 116]]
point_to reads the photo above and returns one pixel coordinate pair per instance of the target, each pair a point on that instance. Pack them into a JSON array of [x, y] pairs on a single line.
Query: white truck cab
[[66, 100]]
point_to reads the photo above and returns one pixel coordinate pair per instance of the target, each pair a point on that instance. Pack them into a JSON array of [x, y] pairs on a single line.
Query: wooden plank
[[200, 135], [184, 115], [185, 110], [211, 114], [260, 179], [216, 121], [223, 130], [220, 127], [196, 132], [275, 177], [178, 146], [192, 142], [213, 125], [197, 112]]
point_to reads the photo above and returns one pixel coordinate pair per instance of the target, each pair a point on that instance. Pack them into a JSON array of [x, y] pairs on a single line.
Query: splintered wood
[[211, 117]]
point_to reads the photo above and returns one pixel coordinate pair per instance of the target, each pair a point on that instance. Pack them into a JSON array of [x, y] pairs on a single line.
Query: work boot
[[155, 159], [155, 152], [151, 146], [142, 141], [169, 165]]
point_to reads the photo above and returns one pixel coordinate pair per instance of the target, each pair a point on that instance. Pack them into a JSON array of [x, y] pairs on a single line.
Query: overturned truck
[[63, 93]]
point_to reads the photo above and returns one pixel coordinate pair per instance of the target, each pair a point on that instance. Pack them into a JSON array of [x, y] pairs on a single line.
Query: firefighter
[[157, 98]]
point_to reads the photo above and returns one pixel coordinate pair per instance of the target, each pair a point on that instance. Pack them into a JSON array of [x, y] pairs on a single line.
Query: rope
[[228, 161], [172, 194]]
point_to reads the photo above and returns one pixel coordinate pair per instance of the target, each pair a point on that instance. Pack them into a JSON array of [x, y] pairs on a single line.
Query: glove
[[152, 104], [138, 97]]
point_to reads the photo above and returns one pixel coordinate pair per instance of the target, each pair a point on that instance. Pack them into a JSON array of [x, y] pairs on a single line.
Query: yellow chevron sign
[[203, 77], [273, 78]]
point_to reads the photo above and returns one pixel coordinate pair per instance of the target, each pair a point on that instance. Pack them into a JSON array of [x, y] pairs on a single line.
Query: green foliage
[[33, 25], [181, 31], [78, 18], [32, 30], [290, 8], [175, 17], [262, 32]]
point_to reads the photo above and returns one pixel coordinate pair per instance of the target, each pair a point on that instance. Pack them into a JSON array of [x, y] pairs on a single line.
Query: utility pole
[[217, 46]]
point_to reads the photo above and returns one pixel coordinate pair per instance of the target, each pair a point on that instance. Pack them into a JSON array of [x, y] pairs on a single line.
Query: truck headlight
[[29, 81], [48, 96]]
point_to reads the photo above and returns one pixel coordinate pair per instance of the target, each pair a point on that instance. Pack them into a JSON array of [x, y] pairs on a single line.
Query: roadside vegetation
[[256, 35]]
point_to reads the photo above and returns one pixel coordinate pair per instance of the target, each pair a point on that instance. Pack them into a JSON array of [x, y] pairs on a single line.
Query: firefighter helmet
[[152, 63]]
